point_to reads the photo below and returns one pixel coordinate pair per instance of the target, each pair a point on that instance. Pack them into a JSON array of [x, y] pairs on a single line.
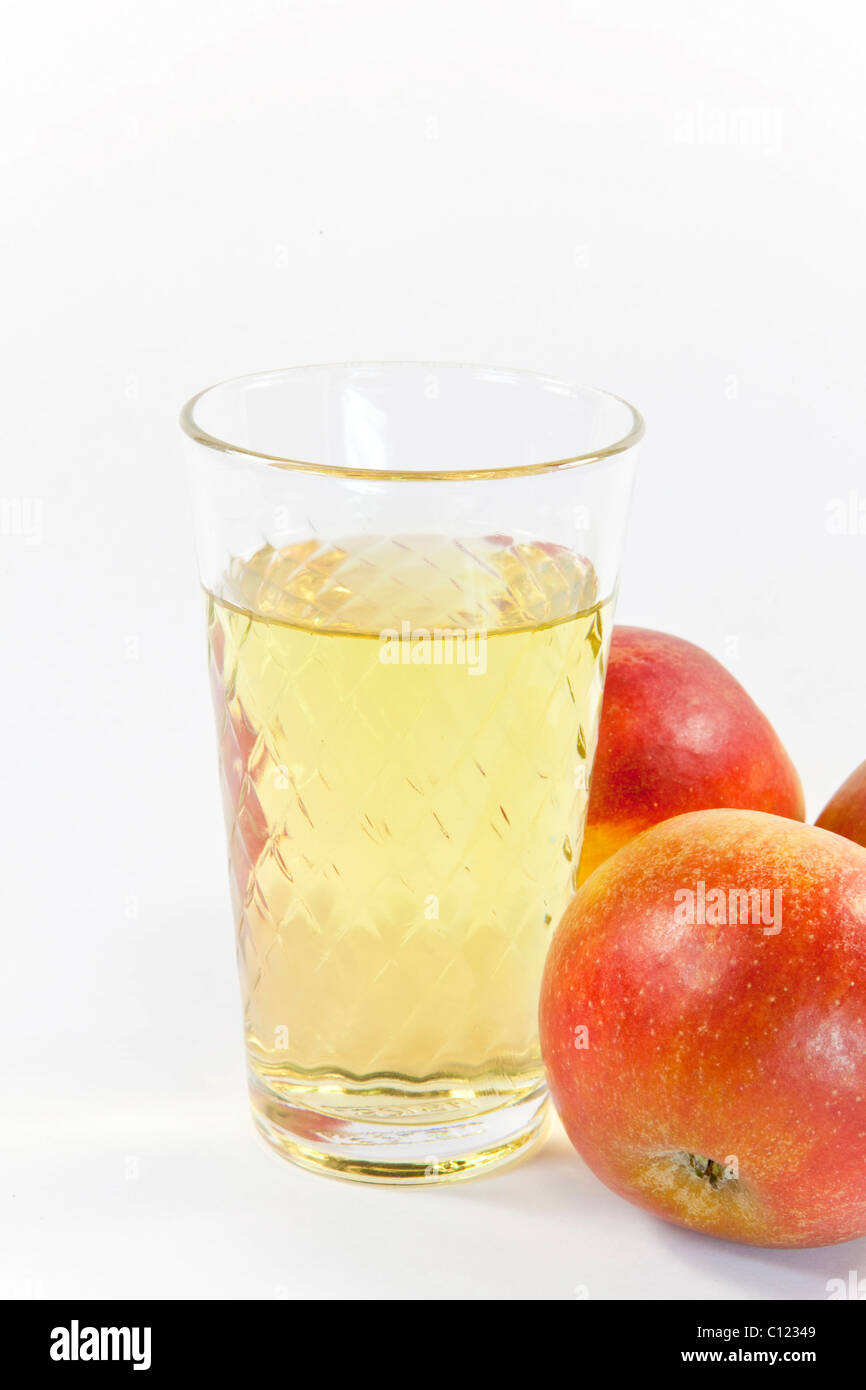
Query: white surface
[[663, 199]]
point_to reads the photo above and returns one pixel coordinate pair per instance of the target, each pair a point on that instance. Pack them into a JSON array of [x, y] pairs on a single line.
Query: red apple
[[715, 1074], [678, 733], [237, 741], [845, 812]]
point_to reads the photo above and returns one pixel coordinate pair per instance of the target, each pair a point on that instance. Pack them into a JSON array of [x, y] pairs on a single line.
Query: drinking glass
[[410, 573]]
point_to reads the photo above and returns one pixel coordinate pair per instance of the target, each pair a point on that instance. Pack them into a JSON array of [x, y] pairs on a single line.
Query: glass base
[[386, 1151]]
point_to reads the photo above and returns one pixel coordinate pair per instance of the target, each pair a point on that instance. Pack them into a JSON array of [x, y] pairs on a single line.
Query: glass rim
[[191, 427]]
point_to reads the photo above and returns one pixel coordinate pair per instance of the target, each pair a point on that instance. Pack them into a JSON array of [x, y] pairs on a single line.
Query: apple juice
[[406, 728]]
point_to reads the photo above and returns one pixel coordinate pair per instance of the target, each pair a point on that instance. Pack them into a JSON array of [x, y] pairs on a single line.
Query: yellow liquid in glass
[[404, 819]]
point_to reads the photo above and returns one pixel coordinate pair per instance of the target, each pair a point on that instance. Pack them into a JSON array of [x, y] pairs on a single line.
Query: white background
[[666, 200]]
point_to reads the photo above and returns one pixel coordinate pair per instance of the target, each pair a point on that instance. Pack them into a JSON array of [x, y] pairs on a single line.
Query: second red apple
[[678, 733]]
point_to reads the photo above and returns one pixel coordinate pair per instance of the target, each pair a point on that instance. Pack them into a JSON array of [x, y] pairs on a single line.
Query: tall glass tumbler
[[410, 573]]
